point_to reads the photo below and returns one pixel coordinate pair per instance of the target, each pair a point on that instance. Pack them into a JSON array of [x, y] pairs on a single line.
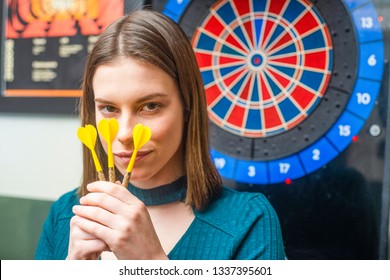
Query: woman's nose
[[125, 132]]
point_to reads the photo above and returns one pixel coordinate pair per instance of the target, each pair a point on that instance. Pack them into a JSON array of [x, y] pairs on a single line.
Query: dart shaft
[[111, 174], [101, 176], [126, 179]]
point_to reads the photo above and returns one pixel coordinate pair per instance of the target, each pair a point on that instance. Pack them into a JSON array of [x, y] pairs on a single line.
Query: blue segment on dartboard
[[275, 34], [352, 4], [258, 28], [366, 22], [255, 91], [174, 9], [222, 107], [344, 129], [206, 42], [371, 60], [259, 6], [236, 88], [251, 172], [229, 69], [224, 163], [288, 109], [317, 155], [312, 79], [275, 90], [285, 168], [289, 71], [289, 49], [363, 97], [314, 40], [293, 9], [207, 77], [241, 36], [227, 50], [254, 119], [226, 13]]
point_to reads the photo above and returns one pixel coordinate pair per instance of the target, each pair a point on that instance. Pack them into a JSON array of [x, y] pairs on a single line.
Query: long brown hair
[[155, 39]]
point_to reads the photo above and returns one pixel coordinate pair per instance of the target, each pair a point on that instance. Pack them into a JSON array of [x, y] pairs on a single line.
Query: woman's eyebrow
[[141, 99], [151, 96]]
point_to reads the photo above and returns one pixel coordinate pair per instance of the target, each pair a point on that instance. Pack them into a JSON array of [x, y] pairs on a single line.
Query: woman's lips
[[123, 158]]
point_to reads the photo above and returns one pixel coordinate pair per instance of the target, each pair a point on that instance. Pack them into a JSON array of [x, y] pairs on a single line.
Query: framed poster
[[44, 47]]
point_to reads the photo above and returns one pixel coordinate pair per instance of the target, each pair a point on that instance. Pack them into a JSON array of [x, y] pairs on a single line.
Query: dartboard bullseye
[[266, 64], [289, 83]]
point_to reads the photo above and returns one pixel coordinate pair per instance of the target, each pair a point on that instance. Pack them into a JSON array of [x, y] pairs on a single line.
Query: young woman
[[143, 70]]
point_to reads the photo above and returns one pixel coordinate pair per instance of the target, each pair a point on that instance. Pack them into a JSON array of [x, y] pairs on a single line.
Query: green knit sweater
[[237, 225]]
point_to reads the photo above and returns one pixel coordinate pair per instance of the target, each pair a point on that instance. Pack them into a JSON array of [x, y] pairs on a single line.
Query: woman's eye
[[151, 106], [108, 109]]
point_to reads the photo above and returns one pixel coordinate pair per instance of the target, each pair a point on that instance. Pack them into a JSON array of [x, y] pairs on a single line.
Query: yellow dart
[[108, 129], [87, 136], [141, 135]]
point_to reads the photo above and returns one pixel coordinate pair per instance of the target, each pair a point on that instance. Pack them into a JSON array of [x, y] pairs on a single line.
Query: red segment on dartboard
[[249, 31], [230, 39], [212, 93], [269, 25], [204, 60], [232, 78], [237, 116], [272, 117], [276, 7], [306, 23], [265, 91], [284, 82], [214, 25], [290, 60], [242, 7], [284, 40], [245, 92], [317, 60], [302, 96], [229, 60]]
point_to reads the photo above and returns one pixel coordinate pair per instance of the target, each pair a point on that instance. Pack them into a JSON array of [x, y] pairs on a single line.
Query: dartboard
[[289, 83]]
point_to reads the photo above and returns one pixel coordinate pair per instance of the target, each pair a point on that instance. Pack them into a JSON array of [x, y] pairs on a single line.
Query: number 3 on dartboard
[[251, 171]]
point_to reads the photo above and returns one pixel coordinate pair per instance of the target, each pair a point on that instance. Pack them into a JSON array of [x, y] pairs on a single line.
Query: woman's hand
[[111, 218], [83, 245]]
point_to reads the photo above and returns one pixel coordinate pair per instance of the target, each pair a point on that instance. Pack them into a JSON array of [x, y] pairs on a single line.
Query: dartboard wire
[[241, 24], [214, 54], [235, 103], [229, 30], [287, 95], [298, 39], [217, 82], [263, 41], [223, 121], [307, 51], [297, 82], [229, 95], [247, 105], [219, 40], [215, 70], [284, 95], [291, 25], [275, 103], [301, 67]]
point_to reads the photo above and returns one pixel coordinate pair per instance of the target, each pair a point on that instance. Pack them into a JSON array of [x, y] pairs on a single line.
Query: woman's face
[[134, 92]]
